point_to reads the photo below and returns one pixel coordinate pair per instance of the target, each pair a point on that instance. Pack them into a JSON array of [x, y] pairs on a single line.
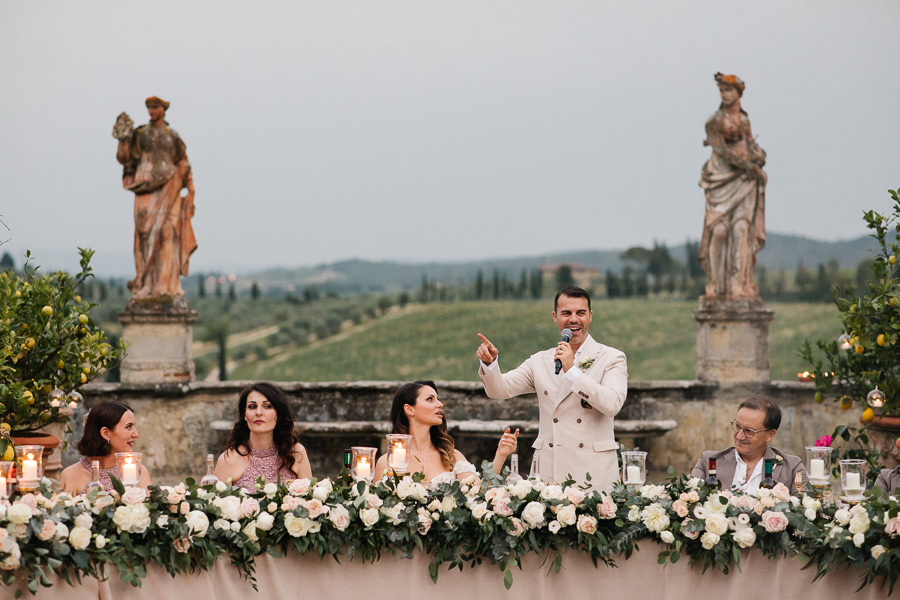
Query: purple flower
[[825, 440]]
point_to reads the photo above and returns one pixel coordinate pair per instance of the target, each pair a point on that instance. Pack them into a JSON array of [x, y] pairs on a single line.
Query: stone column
[[733, 340], [159, 337]]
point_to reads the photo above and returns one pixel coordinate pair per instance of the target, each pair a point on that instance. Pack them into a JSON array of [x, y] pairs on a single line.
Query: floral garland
[[187, 527]]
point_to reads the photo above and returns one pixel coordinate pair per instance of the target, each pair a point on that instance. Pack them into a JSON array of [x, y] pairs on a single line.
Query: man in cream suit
[[741, 466], [577, 405]]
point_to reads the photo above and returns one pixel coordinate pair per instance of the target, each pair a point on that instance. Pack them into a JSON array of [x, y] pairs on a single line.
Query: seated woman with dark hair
[[109, 428], [262, 443], [417, 411]]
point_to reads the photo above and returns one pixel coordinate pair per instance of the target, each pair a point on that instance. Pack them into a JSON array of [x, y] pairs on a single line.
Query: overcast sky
[[446, 131]]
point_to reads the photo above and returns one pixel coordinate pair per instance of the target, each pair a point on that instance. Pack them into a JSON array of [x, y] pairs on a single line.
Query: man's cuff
[[487, 368], [571, 375]]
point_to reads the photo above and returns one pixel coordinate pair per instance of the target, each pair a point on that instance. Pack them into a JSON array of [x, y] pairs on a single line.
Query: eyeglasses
[[748, 433]]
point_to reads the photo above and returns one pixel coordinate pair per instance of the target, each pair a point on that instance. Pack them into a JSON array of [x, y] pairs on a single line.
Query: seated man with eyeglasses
[[889, 480], [741, 466]]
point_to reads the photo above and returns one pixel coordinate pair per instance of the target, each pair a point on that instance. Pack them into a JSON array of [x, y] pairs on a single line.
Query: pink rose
[[774, 521], [185, 508], [182, 544], [693, 496], [607, 508], [502, 507], [249, 507], [825, 440], [134, 495], [299, 487], [892, 527], [587, 524], [516, 527], [680, 508], [574, 495], [48, 528], [290, 503], [29, 500], [315, 508]]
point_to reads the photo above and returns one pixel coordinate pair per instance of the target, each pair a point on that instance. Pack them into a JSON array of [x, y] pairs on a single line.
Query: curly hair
[[406, 394], [103, 414], [283, 435]]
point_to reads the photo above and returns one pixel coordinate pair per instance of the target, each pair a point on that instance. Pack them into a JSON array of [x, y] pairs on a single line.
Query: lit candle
[[632, 474], [817, 468], [54, 403], [363, 468], [400, 456], [29, 468], [853, 482], [129, 472]]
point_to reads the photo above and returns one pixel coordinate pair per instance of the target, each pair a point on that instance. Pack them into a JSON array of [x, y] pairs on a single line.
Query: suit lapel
[[725, 468], [590, 349]]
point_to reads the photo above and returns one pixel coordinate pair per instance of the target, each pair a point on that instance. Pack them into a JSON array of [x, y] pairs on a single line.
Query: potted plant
[[49, 347], [862, 367]]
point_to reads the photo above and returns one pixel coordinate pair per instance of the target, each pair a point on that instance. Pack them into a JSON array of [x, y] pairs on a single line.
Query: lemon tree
[[49, 346], [869, 354]]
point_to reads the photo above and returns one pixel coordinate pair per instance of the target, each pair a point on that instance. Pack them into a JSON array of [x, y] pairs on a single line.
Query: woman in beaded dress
[[109, 428], [417, 411], [262, 443]]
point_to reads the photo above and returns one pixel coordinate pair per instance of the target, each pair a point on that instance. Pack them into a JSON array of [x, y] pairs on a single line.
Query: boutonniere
[[586, 363], [778, 460]]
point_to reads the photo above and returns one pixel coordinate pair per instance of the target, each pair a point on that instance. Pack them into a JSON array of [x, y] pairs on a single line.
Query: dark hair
[[572, 292], [406, 394], [763, 402], [103, 414], [283, 435]]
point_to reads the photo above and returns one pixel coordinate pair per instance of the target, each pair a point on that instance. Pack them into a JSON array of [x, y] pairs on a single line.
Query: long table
[[393, 578]]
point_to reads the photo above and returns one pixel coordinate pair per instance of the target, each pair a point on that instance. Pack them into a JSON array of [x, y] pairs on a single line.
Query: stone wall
[[180, 423]]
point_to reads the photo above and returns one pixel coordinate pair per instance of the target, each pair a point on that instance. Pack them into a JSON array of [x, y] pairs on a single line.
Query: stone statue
[[156, 169], [734, 183]]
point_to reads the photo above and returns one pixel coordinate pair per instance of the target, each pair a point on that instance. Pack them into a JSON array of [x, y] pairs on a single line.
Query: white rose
[[859, 523], [80, 537], [858, 539], [655, 517], [230, 507], [700, 513], [141, 518], [265, 521], [134, 495], [270, 489], [743, 519], [19, 513], [552, 492], [745, 537], [222, 525], [877, 550], [234, 526], [533, 514], [634, 513], [162, 521], [810, 514], [708, 540], [11, 562], [479, 510], [272, 507], [221, 486], [198, 522], [123, 518], [842, 516], [250, 531], [717, 523], [368, 516], [521, 489], [566, 515], [296, 526], [100, 542], [448, 504], [693, 482], [554, 526], [667, 537]]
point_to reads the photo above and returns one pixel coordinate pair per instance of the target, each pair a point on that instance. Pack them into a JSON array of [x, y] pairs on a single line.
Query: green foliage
[[872, 322], [48, 341]]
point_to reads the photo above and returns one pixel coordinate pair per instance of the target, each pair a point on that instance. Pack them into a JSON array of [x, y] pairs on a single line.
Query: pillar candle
[[853, 481], [632, 474], [400, 456], [817, 468], [363, 468], [29, 469], [129, 473]]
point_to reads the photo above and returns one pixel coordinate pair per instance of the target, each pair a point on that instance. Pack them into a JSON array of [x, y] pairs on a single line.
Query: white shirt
[[748, 485], [568, 377]]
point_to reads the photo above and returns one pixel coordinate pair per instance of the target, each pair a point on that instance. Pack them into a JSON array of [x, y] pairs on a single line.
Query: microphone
[[565, 336]]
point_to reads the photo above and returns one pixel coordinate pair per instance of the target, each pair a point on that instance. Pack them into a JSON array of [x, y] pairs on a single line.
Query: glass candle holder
[[362, 462], [818, 465], [634, 467], [29, 467], [129, 464], [5, 472], [398, 452], [853, 478]]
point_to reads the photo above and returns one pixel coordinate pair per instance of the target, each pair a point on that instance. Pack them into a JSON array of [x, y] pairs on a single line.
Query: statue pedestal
[[159, 337], [733, 340]]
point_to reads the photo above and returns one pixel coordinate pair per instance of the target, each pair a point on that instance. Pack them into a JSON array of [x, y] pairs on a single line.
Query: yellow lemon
[[47, 311], [860, 349], [820, 397], [29, 343], [83, 378], [892, 259], [28, 397], [868, 415], [880, 340], [61, 364], [846, 402], [83, 319], [86, 370], [10, 453], [104, 351], [5, 426], [77, 298]]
